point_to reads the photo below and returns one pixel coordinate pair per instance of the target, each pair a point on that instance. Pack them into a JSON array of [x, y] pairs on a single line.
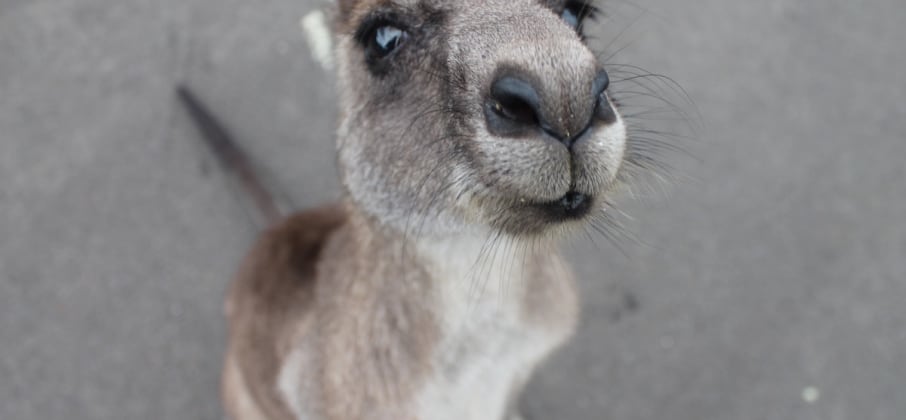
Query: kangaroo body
[[474, 135], [398, 336]]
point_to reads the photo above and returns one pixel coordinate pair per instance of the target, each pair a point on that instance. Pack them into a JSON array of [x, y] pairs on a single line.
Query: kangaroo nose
[[515, 109]]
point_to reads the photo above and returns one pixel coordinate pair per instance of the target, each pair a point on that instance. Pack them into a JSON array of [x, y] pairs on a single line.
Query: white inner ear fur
[[320, 41]]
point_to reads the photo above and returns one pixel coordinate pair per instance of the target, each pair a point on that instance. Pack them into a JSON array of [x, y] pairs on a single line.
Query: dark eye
[[575, 13], [380, 36], [386, 39]]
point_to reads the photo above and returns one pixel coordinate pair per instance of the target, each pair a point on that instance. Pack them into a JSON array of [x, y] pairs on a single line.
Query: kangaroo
[[474, 136]]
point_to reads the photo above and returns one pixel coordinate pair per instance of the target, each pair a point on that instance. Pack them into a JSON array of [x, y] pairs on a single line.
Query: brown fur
[[270, 304], [377, 325]]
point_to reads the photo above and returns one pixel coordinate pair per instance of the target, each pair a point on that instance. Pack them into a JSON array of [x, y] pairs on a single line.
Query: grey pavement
[[767, 280]]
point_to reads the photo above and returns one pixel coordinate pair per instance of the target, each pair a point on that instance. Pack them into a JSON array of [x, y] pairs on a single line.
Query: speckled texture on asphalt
[[771, 285]]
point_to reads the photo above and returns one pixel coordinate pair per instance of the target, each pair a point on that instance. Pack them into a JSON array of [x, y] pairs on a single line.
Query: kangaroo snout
[[538, 83]]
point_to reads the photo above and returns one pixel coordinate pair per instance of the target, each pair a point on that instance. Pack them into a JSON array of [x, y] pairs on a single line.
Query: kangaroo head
[[490, 113]]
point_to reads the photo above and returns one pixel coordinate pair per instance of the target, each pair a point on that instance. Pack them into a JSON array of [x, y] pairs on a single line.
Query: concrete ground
[[768, 282]]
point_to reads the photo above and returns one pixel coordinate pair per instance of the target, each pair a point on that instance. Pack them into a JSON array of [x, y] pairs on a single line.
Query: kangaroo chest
[[482, 363], [489, 345]]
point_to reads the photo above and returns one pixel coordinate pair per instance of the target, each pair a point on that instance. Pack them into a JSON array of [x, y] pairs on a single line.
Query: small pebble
[[811, 395]]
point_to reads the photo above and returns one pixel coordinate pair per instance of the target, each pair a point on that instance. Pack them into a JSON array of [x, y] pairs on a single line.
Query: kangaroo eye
[[387, 39], [380, 35], [575, 13]]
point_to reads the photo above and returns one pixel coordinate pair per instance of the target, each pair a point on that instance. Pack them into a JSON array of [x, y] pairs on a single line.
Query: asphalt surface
[[767, 280]]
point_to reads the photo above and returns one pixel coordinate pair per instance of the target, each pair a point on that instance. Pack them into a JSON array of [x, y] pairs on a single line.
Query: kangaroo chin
[[474, 135]]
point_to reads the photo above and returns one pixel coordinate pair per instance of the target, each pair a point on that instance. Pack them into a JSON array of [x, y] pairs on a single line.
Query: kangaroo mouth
[[573, 205]]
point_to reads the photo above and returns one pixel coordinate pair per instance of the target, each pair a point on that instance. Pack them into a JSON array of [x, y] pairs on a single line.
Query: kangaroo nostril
[[516, 100], [602, 82], [516, 109], [603, 110]]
